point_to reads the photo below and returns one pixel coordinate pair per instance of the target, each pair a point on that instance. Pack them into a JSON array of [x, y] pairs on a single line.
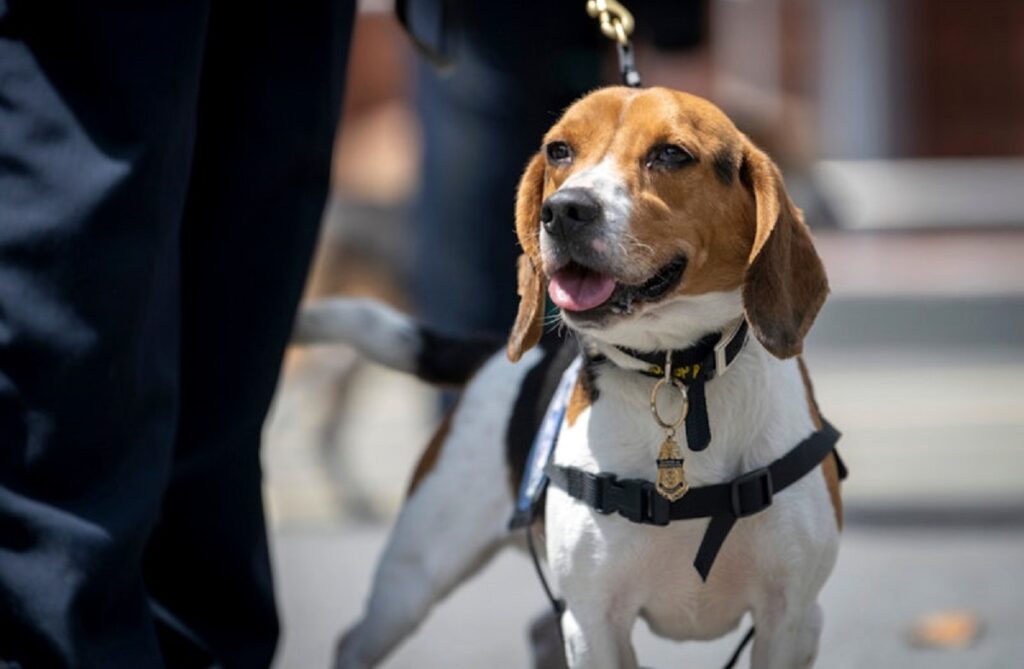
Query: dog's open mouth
[[582, 290]]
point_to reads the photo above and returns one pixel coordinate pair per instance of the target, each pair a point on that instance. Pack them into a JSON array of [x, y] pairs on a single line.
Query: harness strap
[[698, 425], [725, 503]]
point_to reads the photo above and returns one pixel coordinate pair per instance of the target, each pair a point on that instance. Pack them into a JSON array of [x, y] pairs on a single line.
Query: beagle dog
[[652, 223]]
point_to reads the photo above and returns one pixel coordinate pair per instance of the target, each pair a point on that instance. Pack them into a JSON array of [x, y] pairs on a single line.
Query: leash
[[617, 24], [739, 649], [557, 605]]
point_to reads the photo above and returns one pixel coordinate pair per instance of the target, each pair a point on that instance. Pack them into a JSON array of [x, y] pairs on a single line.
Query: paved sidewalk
[[884, 581]]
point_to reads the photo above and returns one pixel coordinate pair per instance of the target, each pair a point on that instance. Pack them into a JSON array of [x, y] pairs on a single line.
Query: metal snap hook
[[616, 21]]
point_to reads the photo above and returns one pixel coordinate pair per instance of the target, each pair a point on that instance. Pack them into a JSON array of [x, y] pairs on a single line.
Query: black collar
[[708, 359]]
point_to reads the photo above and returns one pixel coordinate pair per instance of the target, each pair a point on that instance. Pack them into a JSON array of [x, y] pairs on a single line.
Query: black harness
[[637, 500], [724, 503]]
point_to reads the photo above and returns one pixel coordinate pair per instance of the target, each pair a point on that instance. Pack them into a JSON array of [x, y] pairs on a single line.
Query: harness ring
[[678, 385]]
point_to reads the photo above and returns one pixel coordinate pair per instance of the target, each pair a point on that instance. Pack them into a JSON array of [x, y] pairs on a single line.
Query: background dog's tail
[[393, 339]]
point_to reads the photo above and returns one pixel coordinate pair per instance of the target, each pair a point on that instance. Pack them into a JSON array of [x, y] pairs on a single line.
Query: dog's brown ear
[[530, 320], [785, 282]]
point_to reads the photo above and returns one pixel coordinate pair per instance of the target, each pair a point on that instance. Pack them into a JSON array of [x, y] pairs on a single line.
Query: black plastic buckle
[[605, 484], [657, 512], [761, 479], [626, 497], [636, 501]]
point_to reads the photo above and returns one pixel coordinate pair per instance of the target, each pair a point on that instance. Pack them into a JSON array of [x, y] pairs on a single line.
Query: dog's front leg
[[787, 639], [594, 640], [595, 580]]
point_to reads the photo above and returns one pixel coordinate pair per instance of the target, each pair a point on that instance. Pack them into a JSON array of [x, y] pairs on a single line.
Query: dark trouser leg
[[269, 103], [482, 121], [96, 130]]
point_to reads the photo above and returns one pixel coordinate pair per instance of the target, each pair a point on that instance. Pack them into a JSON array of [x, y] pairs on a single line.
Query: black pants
[[163, 166], [516, 67]]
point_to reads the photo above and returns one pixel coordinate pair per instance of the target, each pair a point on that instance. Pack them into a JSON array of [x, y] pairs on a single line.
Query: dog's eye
[[559, 152], [669, 156]]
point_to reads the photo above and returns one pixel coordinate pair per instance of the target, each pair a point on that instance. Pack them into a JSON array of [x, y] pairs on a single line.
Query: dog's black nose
[[569, 210]]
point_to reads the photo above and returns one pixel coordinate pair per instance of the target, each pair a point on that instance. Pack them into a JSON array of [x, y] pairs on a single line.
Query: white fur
[[676, 322], [605, 183], [452, 524], [379, 332]]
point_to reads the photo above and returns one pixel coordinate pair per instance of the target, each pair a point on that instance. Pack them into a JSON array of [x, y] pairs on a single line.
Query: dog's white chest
[[609, 564]]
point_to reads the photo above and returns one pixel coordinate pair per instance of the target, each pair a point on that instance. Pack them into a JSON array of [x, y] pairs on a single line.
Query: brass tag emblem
[[671, 483]]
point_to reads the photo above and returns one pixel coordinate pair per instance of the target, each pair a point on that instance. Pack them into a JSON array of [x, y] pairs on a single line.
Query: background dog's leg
[[448, 529], [594, 641], [787, 641], [439, 541], [452, 524]]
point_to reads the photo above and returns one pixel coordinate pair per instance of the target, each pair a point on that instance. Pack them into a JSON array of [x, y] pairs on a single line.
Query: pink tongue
[[578, 289]]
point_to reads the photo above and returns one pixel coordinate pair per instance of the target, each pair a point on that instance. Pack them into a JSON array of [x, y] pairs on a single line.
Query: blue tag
[[534, 479]]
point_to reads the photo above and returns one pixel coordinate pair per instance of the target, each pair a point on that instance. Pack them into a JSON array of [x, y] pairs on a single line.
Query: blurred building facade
[[883, 78]]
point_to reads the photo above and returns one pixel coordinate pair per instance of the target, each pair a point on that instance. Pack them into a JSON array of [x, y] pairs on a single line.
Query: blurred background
[[900, 127]]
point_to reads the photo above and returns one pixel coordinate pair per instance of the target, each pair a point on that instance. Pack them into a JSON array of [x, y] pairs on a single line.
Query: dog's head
[[651, 220]]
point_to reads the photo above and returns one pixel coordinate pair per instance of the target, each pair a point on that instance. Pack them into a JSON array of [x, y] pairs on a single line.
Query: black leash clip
[[627, 65]]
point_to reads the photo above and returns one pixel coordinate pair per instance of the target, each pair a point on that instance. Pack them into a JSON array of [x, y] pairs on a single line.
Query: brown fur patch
[[690, 210], [529, 323], [785, 284], [578, 401], [812, 403], [430, 456], [725, 167], [830, 468], [528, 326]]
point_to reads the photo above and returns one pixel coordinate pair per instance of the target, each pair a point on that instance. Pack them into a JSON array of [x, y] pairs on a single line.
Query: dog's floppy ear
[[530, 320], [785, 282]]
